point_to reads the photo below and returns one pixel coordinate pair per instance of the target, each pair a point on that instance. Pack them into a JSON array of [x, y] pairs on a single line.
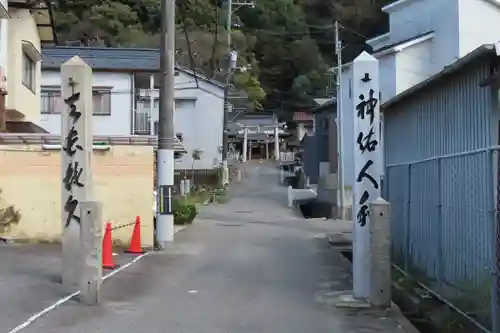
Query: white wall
[[440, 16], [198, 115], [479, 24], [4, 39], [412, 65], [387, 70], [118, 123], [201, 126]]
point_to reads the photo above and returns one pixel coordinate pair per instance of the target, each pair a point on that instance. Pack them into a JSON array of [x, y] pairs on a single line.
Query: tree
[[286, 44]]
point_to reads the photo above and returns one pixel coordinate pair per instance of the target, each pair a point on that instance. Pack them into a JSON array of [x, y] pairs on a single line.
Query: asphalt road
[[250, 266]]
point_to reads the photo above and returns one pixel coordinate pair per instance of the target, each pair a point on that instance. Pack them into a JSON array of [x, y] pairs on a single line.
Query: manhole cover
[[244, 212], [229, 224]]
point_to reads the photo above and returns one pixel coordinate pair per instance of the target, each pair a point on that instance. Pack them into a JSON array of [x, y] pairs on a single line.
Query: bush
[[184, 211]]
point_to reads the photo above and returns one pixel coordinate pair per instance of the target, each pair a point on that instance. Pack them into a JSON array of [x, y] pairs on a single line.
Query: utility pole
[[227, 87], [340, 127], [165, 157], [231, 65]]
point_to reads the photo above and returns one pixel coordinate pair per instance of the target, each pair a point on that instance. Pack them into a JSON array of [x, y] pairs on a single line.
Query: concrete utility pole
[[231, 65], [340, 132], [166, 163]]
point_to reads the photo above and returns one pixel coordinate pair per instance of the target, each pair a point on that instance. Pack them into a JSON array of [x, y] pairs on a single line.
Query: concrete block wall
[[30, 179]]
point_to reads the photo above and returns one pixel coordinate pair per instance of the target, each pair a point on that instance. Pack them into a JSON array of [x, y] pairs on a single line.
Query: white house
[[126, 99], [424, 37]]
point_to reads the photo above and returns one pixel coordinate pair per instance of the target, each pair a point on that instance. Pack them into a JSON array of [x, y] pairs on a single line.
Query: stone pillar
[[90, 241], [276, 144], [76, 168], [249, 150], [380, 252], [367, 164]]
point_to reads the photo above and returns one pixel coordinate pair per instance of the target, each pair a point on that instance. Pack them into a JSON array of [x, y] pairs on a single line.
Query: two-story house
[[424, 37], [126, 99], [24, 26]]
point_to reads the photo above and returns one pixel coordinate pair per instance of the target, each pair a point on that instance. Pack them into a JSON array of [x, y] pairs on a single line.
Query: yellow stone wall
[[30, 179]]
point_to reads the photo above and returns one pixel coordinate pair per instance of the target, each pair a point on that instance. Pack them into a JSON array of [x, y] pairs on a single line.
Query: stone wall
[[30, 179]]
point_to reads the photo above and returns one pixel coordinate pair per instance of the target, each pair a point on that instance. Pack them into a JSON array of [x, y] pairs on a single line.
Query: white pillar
[[151, 105], [76, 168], [245, 144], [276, 144], [367, 165]]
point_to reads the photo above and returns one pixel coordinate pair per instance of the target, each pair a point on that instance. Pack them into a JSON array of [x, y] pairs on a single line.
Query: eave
[[42, 11]]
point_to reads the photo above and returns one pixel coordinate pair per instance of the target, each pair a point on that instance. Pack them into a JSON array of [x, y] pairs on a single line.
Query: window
[[29, 69], [102, 102], [51, 101]]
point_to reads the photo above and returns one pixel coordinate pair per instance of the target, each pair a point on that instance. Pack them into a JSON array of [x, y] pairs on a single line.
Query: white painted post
[[290, 196], [153, 114], [245, 144], [367, 165], [276, 144], [380, 244], [76, 168], [182, 187], [187, 185]]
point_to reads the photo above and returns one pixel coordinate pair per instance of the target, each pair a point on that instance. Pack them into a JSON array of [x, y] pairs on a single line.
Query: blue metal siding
[[311, 161], [445, 119], [439, 181]]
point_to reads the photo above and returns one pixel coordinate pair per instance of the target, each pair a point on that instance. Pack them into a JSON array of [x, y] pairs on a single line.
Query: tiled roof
[[108, 58]]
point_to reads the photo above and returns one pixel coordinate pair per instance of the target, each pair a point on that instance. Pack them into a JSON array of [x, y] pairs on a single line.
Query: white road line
[[67, 298]]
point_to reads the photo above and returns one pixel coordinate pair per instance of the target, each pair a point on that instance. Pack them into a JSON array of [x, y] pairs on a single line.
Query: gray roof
[[455, 67], [109, 58], [328, 106]]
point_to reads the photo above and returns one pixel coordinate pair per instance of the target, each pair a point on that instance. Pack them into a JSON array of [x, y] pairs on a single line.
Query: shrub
[[9, 216], [184, 211]]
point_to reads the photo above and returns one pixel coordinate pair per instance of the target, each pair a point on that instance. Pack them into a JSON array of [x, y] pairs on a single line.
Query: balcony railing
[[145, 117]]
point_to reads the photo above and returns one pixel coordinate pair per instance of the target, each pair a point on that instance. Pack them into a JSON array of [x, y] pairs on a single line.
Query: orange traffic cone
[[135, 241], [107, 249]]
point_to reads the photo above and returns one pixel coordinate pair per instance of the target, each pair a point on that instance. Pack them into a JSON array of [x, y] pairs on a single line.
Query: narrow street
[[249, 266]]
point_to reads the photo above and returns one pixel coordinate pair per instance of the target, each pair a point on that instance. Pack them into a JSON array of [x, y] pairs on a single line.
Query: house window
[[29, 69], [51, 101], [102, 102]]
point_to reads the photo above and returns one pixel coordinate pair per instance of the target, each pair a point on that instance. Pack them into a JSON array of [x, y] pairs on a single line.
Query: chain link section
[[123, 226]]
